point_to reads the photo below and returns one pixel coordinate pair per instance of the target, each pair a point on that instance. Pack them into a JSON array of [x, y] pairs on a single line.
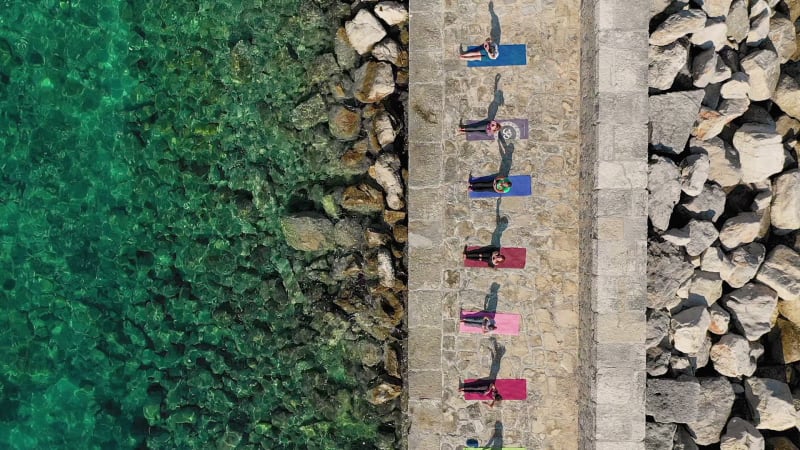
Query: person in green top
[[501, 185]]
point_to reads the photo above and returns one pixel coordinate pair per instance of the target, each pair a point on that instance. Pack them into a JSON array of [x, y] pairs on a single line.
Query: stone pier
[[582, 293]]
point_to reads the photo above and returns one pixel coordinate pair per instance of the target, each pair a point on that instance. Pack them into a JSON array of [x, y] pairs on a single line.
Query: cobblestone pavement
[[442, 220]]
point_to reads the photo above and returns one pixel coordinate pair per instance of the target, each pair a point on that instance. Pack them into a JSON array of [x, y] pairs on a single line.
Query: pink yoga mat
[[506, 323], [515, 258], [509, 389]]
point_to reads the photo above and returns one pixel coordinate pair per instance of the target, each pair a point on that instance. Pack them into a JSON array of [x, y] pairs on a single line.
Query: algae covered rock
[[308, 232], [344, 123], [309, 113]]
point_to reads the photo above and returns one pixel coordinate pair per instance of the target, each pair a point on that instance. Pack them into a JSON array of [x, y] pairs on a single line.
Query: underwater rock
[[344, 123], [373, 81], [308, 232], [310, 113], [391, 362], [341, 87], [385, 172], [322, 68], [362, 199], [348, 233], [355, 161]]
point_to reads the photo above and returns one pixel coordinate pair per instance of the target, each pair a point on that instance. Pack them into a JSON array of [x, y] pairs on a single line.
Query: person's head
[[495, 126], [492, 49], [499, 258], [491, 326]]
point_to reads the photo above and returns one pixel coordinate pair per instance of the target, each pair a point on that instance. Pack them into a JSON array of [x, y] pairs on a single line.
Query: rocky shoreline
[[723, 317], [361, 236]]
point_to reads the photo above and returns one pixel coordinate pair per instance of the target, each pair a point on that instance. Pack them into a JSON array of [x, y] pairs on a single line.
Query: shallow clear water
[[148, 299]]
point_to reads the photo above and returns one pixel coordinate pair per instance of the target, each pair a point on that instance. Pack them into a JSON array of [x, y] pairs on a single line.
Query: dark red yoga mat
[[515, 258], [509, 389]]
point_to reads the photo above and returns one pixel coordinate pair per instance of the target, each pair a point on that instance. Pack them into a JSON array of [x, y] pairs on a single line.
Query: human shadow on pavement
[[496, 441], [491, 299], [496, 31], [506, 149], [497, 101], [500, 225]]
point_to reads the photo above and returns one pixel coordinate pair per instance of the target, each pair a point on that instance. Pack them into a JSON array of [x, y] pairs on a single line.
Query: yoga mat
[[510, 55], [510, 129], [520, 187], [509, 389], [515, 258], [504, 448], [506, 323]]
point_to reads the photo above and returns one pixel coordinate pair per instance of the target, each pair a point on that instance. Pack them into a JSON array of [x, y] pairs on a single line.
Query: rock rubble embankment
[[723, 337]]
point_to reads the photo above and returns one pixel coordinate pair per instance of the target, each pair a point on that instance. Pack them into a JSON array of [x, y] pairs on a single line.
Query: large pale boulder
[[708, 205], [752, 307], [735, 356], [664, 187], [386, 172], [715, 403], [383, 128], [720, 319], [738, 21], [787, 95], [785, 209], [724, 168], [390, 51], [665, 63], [744, 263], [667, 270], [705, 288], [694, 173], [672, 117], [770, 403], [789, 349], [704, 67], [675, 401], [715, 260], [760, 151], [762, 68], [790, 309], [715, 8], [373, 81], [393, 13], [781, 272], [760, 13], [364, 31], [737, 87], [658, 436], [657, 328], [308, 232], [741, 435], [714, 36], [689, 329], [711, 122], [782, 35], [740, 229], [678, 25]]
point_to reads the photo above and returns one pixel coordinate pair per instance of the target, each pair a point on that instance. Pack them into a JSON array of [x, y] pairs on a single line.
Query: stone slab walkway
[[442, 220]]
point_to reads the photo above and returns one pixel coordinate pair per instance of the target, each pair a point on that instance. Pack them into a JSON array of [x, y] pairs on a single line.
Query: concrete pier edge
[[611, 365]]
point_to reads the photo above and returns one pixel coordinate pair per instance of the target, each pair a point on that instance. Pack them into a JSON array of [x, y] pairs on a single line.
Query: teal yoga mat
[[510, 55]]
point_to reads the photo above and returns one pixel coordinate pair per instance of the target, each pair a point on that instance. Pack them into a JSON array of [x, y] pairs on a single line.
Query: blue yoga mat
[[520, 187], [510, 55]]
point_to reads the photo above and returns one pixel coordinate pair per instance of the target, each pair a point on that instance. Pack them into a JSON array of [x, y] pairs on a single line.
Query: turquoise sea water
[[148, 298]]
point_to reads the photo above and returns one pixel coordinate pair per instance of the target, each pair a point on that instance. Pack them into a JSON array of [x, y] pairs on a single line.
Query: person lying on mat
[[490, 390], [487, 325], [488, 127], [490, 255], [501, 185], [489, 50]]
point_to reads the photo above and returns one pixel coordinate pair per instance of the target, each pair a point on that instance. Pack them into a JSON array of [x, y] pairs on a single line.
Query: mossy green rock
[[308, 232], [309, 113]]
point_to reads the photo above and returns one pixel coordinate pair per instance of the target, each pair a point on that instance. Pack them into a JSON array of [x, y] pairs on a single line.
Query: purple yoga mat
[[506, 323], [511, 129], [509, 389]]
